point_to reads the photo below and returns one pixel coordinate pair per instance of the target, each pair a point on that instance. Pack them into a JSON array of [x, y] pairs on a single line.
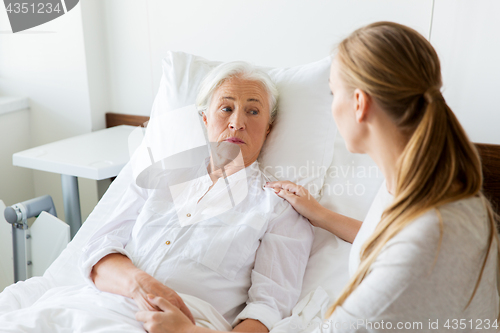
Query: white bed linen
[[85, 309]]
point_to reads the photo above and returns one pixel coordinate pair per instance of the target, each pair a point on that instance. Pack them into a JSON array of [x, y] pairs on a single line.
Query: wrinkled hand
[[168, 320], [300, 199], [146, 284]]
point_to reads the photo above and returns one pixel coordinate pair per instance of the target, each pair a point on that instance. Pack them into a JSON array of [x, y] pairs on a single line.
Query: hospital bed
[[302, 137], [35, 246]]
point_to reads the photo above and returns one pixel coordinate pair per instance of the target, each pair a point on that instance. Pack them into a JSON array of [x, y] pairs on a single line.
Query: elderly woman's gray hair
[[240, 69]]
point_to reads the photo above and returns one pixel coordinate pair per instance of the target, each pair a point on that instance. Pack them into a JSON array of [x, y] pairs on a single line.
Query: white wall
[[466, 37], [16, 184], [287, 33], [268, 33], [47, 64], [96, 61]]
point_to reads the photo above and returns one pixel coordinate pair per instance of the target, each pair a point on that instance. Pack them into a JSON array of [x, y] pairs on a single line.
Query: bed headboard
[[116, 119], [490, 156]]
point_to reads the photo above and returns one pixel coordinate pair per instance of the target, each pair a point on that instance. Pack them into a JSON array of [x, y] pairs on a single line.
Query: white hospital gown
[[255, 252]]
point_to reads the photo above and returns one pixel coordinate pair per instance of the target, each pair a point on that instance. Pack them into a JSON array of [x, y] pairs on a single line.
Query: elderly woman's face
[[239, 113]]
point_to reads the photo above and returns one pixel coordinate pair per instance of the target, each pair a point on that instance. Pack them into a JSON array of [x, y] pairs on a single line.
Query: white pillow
[[299, 147], [351, 183]]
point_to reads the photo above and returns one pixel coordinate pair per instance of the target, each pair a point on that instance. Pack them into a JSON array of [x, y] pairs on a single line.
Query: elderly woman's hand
[[168, 320], [145, 284], [115, 273], [300, 199]]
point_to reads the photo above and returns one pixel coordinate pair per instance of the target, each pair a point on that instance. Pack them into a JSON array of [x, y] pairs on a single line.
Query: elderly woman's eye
[[254, 112], [227, 109]]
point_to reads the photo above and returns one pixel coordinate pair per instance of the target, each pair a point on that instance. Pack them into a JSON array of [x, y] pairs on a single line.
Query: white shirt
[[255, 252], [405, 287]]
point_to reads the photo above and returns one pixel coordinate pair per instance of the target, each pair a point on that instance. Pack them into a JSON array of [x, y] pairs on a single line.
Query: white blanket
[[81, 308]]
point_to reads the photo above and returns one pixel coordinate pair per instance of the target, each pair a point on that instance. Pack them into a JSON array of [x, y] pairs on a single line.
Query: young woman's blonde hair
[[399, 69]]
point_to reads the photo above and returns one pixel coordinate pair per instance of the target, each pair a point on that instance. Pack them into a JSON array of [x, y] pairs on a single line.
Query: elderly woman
[[247, 260]]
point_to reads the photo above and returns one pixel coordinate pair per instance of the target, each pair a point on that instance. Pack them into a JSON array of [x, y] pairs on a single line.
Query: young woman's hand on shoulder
[[306, 205], [300, 199]]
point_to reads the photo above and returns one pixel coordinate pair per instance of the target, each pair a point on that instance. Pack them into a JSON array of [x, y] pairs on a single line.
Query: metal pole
[[18, 244], [71, 200]]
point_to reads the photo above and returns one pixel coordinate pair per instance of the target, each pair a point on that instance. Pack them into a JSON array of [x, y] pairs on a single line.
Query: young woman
[[426, 256]]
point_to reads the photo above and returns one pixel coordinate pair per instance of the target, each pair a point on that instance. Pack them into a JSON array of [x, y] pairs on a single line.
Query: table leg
[[71, 200]]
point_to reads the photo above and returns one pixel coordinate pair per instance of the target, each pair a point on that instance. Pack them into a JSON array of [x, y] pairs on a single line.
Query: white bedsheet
[[81, 308]]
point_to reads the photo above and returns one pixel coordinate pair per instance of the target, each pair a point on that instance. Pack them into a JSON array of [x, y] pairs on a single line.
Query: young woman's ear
[[362, 104]]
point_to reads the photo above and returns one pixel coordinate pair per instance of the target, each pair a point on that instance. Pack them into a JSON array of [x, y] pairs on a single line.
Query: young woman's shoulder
[[436, 272], [457, 231], [462, 219], [467, 218]]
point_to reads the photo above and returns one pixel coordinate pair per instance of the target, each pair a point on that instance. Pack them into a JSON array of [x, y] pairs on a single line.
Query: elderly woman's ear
[[204, 117]]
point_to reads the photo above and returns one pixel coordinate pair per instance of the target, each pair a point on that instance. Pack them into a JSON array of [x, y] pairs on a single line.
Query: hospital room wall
[[466, 37], [268, 33], [284, 33], [46, 64], [16, 184]]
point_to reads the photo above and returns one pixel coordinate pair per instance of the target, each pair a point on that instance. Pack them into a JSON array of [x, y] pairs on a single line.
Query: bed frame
[[490, 156]]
